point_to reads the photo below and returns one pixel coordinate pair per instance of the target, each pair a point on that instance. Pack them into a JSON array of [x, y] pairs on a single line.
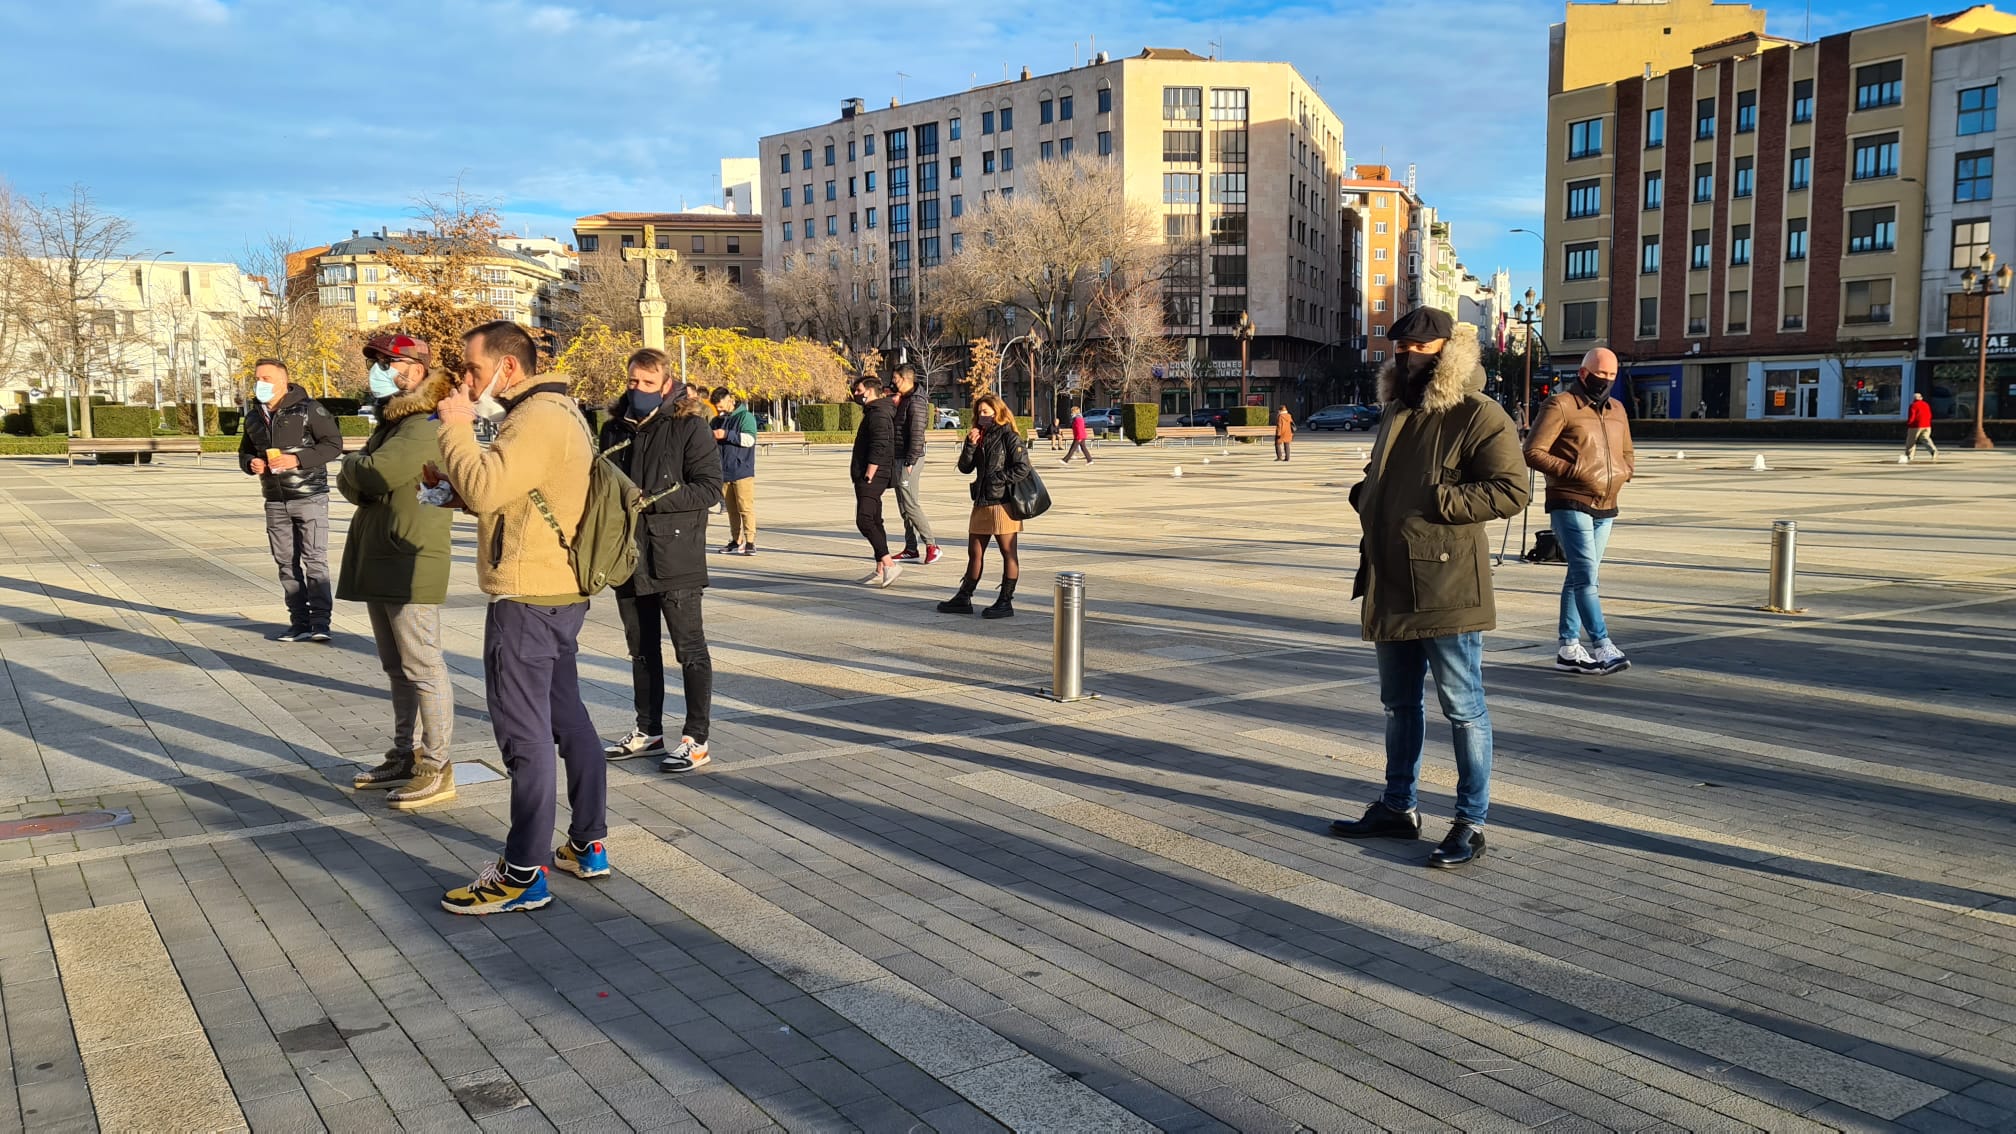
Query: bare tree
[[15, 278], [72, 250], [829, 294], [932, 354], [441, 292], [610, 286], [285, 323], [1135, 343]]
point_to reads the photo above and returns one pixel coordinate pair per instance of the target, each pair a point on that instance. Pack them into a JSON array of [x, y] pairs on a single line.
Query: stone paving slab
[[1759, 881]]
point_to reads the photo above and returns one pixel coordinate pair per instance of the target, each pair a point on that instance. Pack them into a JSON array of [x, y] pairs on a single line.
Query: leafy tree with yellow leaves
[[593, 362]]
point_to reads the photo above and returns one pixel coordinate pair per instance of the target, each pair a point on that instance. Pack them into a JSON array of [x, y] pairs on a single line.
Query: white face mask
[[384, 381], [487, 406]]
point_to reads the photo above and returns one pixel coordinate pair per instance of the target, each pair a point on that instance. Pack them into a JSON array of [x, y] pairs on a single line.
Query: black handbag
[[1027, 498]]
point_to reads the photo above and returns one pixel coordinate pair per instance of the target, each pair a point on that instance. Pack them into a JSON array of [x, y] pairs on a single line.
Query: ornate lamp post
[[1245, 333], [1987, 283], [1527, 314]]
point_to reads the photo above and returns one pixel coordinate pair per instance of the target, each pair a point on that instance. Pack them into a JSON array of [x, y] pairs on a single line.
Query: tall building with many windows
[[1747, 229], [1240, 161], [1387, 255], [355, 284]]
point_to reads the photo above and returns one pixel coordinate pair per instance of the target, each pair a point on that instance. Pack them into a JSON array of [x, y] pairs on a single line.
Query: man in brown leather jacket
[[1582, 442]]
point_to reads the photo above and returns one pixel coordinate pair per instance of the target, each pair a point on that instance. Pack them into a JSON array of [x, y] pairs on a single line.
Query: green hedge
[[181, 418], [354, 426], [1249, 415], [819, 417], [31, 446], [965, 420], [1138, 420], [17, 423], [230, 421], [122, 421], [217, 444], [850, 416], [341, 407], [828, 437]]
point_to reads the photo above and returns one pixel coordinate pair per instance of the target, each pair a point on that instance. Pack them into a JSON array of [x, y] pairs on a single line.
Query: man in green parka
[[1446, 462], [395, 562]]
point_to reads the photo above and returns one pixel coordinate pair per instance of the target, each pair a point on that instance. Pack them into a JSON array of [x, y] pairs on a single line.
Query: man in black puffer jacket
[[658, 433], [288, 440], [873, 470]]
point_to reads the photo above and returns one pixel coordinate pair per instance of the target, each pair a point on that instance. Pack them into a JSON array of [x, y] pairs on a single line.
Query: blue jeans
[[1582, 538], [1458, 663]]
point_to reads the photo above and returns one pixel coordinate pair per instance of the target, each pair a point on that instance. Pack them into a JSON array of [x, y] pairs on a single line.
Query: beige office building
[[711, 241], [359, 288], [1240, 161]]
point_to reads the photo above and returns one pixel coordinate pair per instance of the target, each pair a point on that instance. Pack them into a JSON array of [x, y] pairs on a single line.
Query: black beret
[[1422, 325]]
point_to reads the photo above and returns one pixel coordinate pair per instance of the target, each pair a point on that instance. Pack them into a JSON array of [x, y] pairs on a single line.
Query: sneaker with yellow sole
[[494, 891]]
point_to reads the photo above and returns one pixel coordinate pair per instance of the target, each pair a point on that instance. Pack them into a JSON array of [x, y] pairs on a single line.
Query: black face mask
[[1598, 389], [1416, 372]]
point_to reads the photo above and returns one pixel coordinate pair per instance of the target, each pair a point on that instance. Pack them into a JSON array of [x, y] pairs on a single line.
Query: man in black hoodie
[[874, 470], [287, 441], [658, 434]]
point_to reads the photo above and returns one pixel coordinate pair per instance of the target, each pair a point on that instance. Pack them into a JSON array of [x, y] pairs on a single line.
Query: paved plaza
[[1761, 880]]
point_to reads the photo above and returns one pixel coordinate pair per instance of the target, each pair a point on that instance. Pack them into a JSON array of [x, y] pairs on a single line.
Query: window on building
[[805, 161], [1228, 104], [1181, 189], [1963, 312], [1379, 279], [829, 153], [1802, 101], [1648, 255], [1875, 156], [1007, 159], [896, 144], [787, 233], [927, 215], [1064, 108], [808, 228], [1582, 262], [629, 240], [1065, 146], [1795, 238], [952, 127], [1744, 177], [664, 241], [1229, 146], [958, 166], [1865, 301], [1105, 143], [787, 196], [1226, 309], [1801, 175], [1182, 104], [1879, 84], [1185, 146], [986, 122], [594, 243], [1701, 255], [987, 161], [1704, 119], [1585, 198], [927, 140], [833, 225], [958, 205], [1970, 239], [1046, 112], [806, 193], [699, 245], [1228, 228], [1872, 230], [1977, 110], [958, 243], [1697, 313], [1655, 127], [868, 145], [784, 162], [1739, 312], [1228, 188], [1379, 253], [1648, 317], [832, 190], [1739, 245], [1379, 228], [1746, 111], [899, 219], [853, 183], [1794, 307], [1228, 271], [1974, 176], [927, 252], [1655, 185], [1578, 321], [1585, 138], [1007, 119], [870, 217], [1704, 182], [927, 177], [735, 274]]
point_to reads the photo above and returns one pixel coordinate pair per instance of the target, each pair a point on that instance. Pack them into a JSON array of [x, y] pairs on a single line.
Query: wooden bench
[[98, 445], [765, 440]]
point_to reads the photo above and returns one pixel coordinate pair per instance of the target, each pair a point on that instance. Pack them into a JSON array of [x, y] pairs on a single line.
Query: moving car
[[1343, 417]]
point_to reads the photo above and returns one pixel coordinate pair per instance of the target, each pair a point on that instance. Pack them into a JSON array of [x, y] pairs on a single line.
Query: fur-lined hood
[[421, 399], [619, 410], [1459, 373]]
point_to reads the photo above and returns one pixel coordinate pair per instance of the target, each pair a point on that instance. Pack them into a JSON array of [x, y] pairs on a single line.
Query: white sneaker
[[894, 572], [637, 743], [1573, 658], [690, 754], [1610, 659]]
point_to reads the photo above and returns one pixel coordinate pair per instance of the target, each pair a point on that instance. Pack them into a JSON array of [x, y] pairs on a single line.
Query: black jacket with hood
[[671, 455], [875, 442], [299, 427]]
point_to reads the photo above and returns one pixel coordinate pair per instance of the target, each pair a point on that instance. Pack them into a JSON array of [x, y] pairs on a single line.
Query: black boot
[[961, 603], [1379, 822], [1462, 844], [1004, 607]]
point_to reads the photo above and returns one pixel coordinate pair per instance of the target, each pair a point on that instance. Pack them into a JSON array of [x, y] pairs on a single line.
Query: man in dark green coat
[[396, 563], [1446, 462]]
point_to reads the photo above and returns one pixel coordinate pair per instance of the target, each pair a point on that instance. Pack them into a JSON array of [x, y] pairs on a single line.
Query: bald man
[[1582, 442]]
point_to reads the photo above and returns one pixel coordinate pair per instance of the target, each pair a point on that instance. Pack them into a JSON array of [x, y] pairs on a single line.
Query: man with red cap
[[396, 563]]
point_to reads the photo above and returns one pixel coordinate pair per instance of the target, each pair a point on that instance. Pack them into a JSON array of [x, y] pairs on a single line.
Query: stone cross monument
[[651, 301]]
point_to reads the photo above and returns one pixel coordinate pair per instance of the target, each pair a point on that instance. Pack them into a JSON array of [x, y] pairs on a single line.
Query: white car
[[947, 419]]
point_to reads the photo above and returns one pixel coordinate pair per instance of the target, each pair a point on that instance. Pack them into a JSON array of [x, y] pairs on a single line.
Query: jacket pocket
[[1444, 573], [677, 543]]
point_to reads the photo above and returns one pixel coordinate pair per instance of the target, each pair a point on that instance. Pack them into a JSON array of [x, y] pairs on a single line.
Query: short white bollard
[[1177, 471], [1758, 465]]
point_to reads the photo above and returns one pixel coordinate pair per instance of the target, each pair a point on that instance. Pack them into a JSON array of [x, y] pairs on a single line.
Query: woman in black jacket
[[996, 457]]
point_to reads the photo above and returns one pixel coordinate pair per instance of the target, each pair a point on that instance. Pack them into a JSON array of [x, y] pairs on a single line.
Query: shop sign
[[2000, 345]]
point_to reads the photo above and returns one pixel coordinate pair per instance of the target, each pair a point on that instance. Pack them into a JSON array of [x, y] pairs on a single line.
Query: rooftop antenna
[[1214, 45], [900, 76]]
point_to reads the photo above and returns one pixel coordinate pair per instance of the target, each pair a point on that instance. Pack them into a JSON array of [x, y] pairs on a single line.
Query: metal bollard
[[1067, 639], [1784, 567]]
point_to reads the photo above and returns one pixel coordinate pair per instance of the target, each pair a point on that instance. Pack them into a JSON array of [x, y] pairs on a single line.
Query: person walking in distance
[[997, 460], [533, 477], [395, 562], [287, 442], [873, 469], [1081, 436], [1444, 464], [1581, 441], [1284, 433], [735, 434], [667, 448], [913, 421], [1918, 429]]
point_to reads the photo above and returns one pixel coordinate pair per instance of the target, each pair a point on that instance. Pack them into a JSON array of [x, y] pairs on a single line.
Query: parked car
[[1107, 419], [1210, 415], [946, 419], [1343, 417]]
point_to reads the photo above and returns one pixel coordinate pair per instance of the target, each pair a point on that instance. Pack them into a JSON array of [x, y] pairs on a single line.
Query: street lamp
[[1528, 313], [1986, 283], [1245, 334]]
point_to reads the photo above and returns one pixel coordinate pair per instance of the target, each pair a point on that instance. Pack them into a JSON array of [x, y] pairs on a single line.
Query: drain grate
[[64, 824]]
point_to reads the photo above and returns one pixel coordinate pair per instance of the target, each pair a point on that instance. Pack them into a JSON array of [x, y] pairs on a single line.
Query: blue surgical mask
[[262, 392], [384, 381], [643, 404]]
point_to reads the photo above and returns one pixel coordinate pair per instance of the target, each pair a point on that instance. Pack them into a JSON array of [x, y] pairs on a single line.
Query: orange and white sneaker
[[691, 755]]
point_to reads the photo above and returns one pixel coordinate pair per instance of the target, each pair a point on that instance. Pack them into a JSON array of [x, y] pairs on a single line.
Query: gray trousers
[[423, 697], [910, 503], [297, 531]]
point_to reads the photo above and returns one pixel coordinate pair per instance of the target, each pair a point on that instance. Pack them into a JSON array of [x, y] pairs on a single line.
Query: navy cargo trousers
[[534, 691]]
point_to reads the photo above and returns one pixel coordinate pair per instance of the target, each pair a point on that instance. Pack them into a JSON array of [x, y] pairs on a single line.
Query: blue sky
[[212, 123]]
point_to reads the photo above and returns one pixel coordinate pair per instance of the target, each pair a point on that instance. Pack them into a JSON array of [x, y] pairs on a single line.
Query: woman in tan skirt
[[996, 457]]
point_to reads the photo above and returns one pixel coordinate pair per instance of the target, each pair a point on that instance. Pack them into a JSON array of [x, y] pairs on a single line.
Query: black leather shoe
[[1380, 822], [1462, 844]]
